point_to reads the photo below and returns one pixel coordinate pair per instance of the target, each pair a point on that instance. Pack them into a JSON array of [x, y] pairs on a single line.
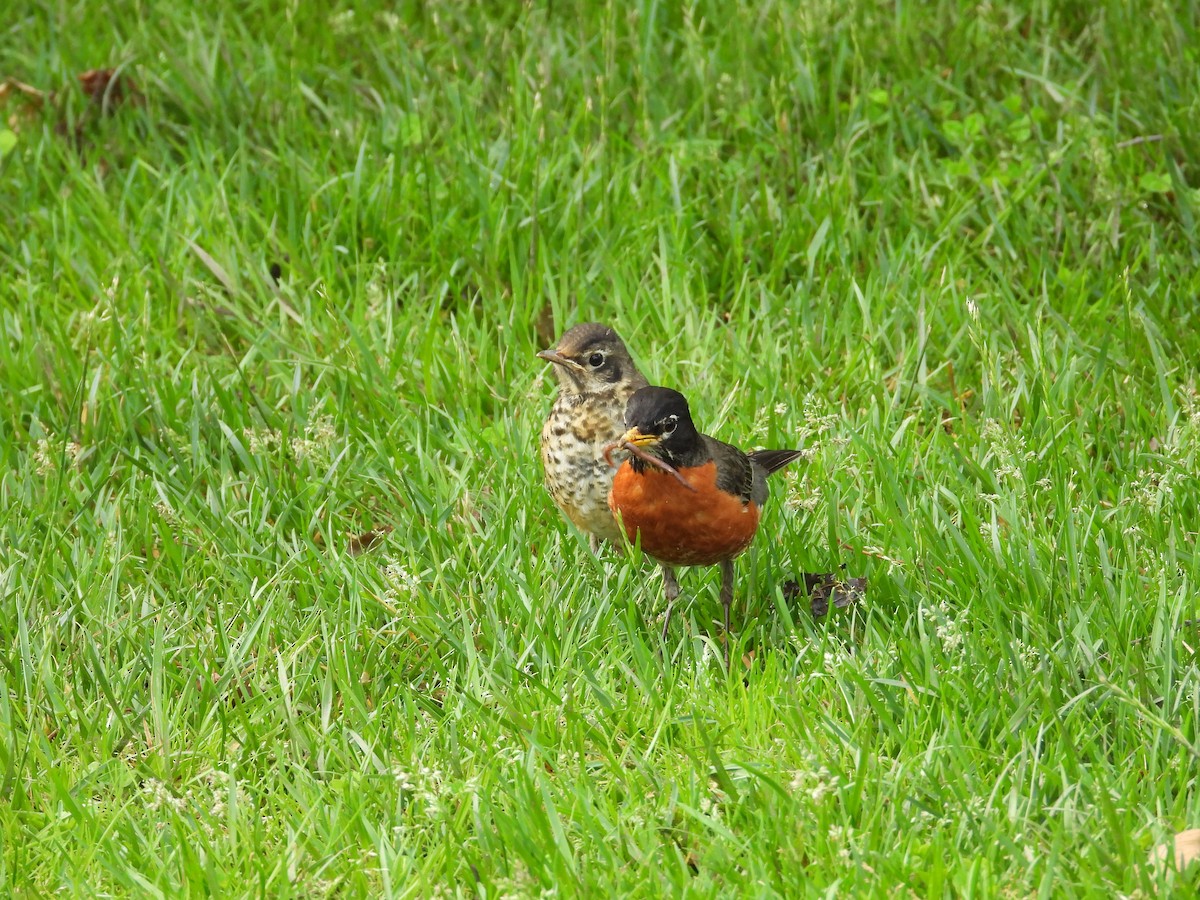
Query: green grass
[[949, 248]]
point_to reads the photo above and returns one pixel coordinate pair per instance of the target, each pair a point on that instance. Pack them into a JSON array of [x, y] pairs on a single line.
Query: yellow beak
[[635, 437]]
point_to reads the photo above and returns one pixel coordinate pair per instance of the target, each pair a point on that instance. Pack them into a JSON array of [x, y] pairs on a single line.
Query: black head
[[591, 358], [659, 421]]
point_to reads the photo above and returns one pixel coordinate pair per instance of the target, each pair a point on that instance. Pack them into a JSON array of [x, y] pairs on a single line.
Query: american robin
[[596, 378], [689, 499]]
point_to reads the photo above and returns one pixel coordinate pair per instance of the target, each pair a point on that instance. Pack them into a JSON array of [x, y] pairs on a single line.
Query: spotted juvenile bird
[[596, 377], [705, 512]]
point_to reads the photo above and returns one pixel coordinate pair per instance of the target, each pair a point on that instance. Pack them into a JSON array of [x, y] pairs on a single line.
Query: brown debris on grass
[[825, 588]]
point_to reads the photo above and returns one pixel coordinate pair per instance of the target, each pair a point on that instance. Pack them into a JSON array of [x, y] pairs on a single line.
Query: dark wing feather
[[735, 475], [745, 476], [771, 461], [764, 463]]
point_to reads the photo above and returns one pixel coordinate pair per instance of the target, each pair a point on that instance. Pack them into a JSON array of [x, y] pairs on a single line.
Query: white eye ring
[[669, 425]]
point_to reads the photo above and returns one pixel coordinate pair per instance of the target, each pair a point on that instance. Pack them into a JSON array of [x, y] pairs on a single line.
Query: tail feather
[[771, 461]]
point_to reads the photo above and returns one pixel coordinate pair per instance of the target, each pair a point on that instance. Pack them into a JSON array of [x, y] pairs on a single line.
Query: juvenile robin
[[689, 499], [596, 378]]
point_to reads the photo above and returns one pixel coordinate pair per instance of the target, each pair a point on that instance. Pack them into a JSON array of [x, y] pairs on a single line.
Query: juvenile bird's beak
[[558, 359], [635, 437]]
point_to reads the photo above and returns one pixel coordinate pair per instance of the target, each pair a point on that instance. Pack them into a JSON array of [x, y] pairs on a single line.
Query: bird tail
[[771, 461]]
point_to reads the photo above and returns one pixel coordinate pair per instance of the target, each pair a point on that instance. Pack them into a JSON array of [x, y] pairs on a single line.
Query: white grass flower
[[805, 504], [815, 418], [164, 509], [822, 788], [949, 629], [399, 581], [46, 455], [263, 440], [89, 322], [376, 291], [44, 458], [950, 636], [159, 797], [1028, 655], [319, 436], [341, 22], [817, 783]]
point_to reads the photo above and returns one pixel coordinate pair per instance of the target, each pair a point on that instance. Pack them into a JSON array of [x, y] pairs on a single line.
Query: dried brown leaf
[[361, 543], [10, 87], [824, 588], [108, 87]]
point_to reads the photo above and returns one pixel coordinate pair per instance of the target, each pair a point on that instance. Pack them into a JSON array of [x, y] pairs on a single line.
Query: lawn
[[285, 609]]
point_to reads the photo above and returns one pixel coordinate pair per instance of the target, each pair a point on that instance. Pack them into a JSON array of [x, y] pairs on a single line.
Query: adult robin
[[596, 378], [686, 498]]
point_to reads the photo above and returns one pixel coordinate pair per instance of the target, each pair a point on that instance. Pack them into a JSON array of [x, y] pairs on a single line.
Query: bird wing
[[767, 462], [735, 474], [771, 461]]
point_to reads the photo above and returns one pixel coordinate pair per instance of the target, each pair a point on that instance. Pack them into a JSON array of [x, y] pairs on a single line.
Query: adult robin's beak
[[558, 359], [638, 439]]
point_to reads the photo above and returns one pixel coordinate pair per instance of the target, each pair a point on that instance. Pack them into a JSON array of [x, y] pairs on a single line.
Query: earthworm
[[644, 457]]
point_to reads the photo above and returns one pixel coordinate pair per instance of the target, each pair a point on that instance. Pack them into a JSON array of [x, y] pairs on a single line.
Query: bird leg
[[727, 599], [671, 589]]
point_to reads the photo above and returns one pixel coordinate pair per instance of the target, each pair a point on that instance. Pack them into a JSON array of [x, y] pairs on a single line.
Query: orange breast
[[681, 527]]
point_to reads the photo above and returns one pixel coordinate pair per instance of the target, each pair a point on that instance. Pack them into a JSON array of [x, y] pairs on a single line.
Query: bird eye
[[668, 425], [596, 360]]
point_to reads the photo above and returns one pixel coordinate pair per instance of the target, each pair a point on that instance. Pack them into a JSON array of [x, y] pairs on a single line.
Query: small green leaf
[[1155, 182], [491, 436], [879, 97], [959, 168], [1019, 129], [411, 133], [8, 140], [403, 129]]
